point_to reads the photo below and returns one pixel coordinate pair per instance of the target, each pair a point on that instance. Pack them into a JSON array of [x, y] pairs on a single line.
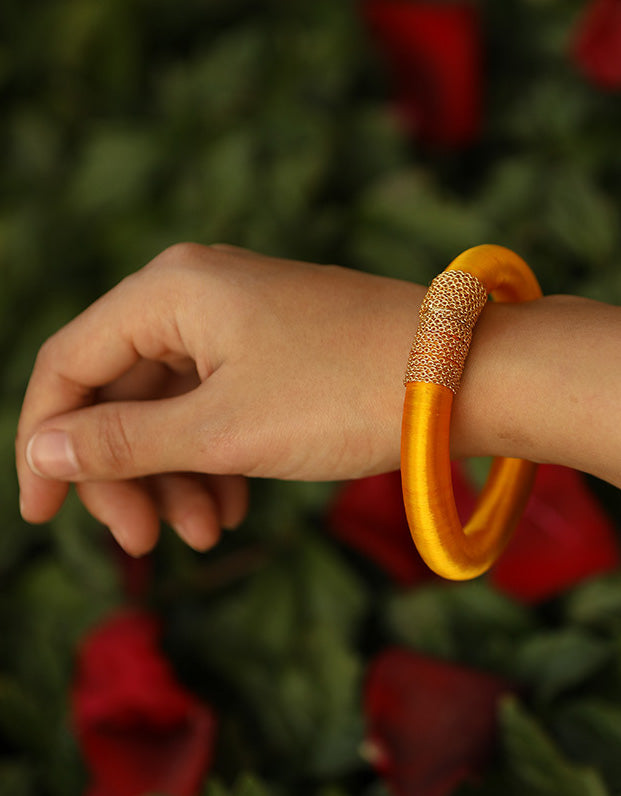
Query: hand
[[208, 364], [213, 363]]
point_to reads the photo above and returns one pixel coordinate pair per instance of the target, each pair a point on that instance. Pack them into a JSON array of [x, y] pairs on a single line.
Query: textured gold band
[[447, 317]]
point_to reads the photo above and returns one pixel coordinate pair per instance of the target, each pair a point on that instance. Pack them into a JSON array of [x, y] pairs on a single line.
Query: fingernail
[[51, 454]]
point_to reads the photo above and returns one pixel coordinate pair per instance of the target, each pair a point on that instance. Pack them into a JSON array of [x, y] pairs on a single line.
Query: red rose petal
[[433, 51], [140, 731], [563, 537], [597, 43], [431, 724]]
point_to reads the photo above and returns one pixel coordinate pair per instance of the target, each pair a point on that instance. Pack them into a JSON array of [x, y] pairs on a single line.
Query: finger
[[121, 440], [189, 507], [127, 509], [100, 345], [141, 381], [231, 494]]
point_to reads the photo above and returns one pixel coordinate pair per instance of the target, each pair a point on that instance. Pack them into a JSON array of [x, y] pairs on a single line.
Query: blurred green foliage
[[129, 125]]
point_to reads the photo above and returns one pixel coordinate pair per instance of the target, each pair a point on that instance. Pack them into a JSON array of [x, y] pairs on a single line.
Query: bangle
[[448, 315]]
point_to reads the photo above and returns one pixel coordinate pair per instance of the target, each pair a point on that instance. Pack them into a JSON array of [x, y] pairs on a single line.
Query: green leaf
[[283, 645], [215, 188], [602, 285], [215, 788], [511, 190], [537, 765], [580, 215], [116, 169], [82, 545], [298, 163], [216, 84], [423, 620], [334, 596], [590, 731], [16, 779], [556, 661], [21, 721], [470, 622], [405, 216], [548, 115], [246, 785], [35, 154], [50, 612], [597, 604]]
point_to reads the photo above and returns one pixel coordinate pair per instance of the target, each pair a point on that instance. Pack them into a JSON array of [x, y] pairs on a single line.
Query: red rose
[[433, 51], [597, 43], [368, 515], [139, 730], [430, 724], [563, 538]]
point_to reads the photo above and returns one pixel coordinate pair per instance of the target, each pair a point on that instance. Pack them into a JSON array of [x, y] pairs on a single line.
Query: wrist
[[540, 383], [492, 413]]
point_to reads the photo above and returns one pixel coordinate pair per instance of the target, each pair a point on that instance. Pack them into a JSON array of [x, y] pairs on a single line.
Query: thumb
[[121, 440]]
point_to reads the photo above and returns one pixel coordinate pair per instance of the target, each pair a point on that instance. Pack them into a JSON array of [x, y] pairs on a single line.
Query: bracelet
[[448, 315]]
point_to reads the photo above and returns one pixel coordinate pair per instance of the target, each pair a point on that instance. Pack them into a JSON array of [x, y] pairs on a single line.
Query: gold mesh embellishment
[[447, 317]]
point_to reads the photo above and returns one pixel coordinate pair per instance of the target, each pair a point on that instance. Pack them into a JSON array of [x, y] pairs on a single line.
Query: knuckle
[[179, 261], [180, 254], [115, 447], [227, 248], [47, 352]]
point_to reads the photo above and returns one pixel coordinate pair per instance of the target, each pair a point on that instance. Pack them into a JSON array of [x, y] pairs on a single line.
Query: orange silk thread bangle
[[447, 318]]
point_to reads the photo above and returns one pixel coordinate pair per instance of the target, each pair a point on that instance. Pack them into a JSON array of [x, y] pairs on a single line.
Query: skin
[[214, 363]]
